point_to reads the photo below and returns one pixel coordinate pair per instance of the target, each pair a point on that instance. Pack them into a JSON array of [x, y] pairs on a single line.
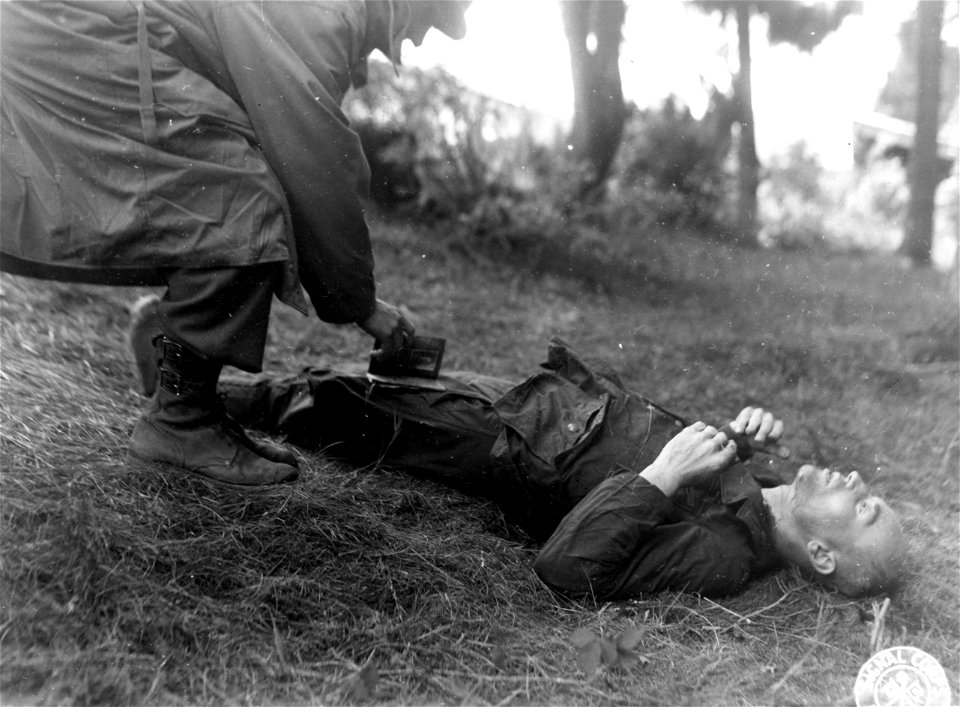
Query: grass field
[[362, 586]]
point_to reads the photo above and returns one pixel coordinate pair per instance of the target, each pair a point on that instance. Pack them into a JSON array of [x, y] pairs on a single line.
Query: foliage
[[803, 207], [870, 211], [801, 24], [468, 147], [793, 205], [595, 652], [391, 155], [680, 159], [495, 182], [899, 95]]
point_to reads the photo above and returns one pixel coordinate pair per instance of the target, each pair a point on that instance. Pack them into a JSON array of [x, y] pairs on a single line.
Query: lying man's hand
[[756, 429], [758, 423], [694, 457]]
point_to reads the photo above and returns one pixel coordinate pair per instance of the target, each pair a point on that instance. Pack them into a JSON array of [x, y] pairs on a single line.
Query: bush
[[869, 213], [804, 207], [468, 147], [479, 169], [391, 154], [676, 163], [792, 202], [498, 183]]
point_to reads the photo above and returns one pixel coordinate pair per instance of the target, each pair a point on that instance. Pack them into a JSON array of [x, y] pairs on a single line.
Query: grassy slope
[[124, 587]]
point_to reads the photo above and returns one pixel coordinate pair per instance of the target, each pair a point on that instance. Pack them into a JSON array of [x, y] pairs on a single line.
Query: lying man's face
[[855, 531]]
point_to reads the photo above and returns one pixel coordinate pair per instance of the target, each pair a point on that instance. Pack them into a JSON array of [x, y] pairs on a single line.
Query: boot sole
[[133, 461]]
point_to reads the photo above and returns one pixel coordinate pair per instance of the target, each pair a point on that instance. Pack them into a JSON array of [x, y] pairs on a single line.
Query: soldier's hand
[[389, 326]]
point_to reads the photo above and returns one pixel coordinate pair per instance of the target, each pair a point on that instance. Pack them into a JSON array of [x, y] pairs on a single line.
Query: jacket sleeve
[[596, 539], [288, 61], [624, 539]]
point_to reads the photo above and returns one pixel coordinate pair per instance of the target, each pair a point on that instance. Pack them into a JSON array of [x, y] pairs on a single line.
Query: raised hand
[[694, 457]]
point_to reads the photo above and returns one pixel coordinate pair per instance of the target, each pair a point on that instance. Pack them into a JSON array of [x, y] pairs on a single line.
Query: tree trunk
[[748, 165], [923, 167], [593, 29]]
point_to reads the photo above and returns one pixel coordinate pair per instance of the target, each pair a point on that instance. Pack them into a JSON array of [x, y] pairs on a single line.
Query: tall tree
[[594, 30], [802, 24], [923, 169], [898, 98], [748, 164]]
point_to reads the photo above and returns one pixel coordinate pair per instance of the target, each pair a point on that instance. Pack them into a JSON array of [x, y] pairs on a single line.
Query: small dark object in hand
[[746, 447], [419, 357]]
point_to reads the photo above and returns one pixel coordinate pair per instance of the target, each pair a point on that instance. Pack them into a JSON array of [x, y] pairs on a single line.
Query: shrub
[[869, 212], [792, 202], [469, 147], [804, 207], [391, 154], [498, 182], [676, 163]]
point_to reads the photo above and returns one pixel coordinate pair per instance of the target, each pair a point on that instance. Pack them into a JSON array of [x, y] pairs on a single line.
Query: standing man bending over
[[199, 145]]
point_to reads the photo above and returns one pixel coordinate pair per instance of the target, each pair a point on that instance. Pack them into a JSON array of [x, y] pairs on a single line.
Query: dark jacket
[[583, 438], [626, 539], [560, 453], [142, 136]]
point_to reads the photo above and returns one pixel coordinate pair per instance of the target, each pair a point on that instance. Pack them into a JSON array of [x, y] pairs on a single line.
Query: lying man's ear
[[822, 559]]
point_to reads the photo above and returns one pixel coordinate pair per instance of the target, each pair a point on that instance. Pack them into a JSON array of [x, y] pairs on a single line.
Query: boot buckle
[[174, 383], [171, 351], [171, 382]]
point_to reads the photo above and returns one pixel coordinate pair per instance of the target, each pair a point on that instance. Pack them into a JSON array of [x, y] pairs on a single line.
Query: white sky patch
[[515, 50]]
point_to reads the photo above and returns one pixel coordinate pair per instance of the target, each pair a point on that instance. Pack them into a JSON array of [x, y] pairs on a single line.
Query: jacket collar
[[741, 492], [385, 27]]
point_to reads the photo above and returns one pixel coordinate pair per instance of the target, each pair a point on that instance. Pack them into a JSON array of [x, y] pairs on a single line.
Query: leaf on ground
[[589, 657], [499, 657], [631, 659], [583, 636], [608, 650], [629, 639], [595, 652], [363, 685]]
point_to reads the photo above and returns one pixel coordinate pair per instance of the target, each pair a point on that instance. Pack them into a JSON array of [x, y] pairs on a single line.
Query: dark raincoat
[[143, 136]]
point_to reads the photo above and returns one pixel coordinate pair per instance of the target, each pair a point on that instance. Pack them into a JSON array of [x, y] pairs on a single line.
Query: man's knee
[[221, 313]]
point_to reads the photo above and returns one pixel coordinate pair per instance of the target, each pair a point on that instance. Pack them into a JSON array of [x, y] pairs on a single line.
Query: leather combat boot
[[186, 427], [143, 336]]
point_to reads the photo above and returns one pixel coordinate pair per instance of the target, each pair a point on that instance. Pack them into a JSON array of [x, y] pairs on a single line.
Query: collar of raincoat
[[387, 22]]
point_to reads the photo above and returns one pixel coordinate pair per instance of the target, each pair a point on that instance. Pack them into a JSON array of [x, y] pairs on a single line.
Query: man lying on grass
[[628, 497]]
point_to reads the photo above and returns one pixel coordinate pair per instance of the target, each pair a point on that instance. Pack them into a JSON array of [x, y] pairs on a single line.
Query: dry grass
[[363, 586]]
